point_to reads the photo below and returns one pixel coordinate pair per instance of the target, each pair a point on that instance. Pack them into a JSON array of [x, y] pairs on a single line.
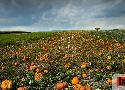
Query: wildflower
[[38, 76], [6, 84]]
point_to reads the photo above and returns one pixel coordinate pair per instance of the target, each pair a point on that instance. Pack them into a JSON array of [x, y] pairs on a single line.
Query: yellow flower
[[6, 84], [109, 57]]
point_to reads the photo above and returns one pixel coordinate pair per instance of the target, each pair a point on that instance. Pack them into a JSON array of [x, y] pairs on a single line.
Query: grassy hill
[[45, 60]]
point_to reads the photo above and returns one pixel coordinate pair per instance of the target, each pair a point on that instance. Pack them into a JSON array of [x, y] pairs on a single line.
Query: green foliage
[[21, 38]]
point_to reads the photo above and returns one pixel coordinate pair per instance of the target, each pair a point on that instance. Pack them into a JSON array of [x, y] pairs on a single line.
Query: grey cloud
[[115, 9], [15, 8], [64, 13]]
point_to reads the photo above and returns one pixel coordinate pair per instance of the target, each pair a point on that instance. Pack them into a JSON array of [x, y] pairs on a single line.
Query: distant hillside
[[8, 32]]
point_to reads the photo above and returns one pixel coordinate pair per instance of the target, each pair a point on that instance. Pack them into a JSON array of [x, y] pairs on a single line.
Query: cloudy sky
[[42, 15]]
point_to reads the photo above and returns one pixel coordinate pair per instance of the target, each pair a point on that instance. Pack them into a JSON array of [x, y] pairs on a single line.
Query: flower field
[[71, 60]]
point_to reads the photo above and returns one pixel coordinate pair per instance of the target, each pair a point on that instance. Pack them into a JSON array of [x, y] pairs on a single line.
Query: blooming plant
[[74, 60]]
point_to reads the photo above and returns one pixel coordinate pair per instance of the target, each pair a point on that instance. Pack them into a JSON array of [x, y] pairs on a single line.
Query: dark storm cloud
[[115, 9], [51, 14], [26, 10], [27, 7], [14, 8]]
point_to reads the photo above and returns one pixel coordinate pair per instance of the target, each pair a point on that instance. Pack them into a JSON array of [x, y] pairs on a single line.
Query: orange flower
[[32, 67], [38, 76], [75, 80], [61, 85], [84, 65], [109, 81], [21, 88], [83, 88], [77, 86], [67, 65], [88, 87], [6, 84], [84, 75]]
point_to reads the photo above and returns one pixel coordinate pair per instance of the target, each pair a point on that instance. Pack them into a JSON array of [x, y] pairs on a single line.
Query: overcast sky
[[42, 15]]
